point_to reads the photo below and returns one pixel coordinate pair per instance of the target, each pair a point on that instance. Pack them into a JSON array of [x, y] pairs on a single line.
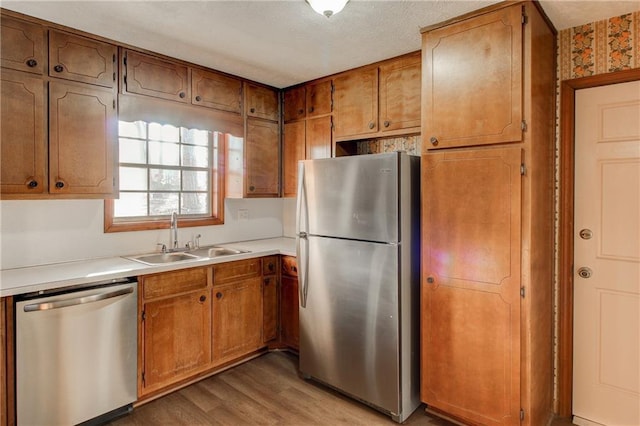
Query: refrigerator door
[[349, 327], [350, 197]]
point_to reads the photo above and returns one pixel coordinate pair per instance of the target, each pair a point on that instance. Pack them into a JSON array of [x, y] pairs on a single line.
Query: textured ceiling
[[282, 43]]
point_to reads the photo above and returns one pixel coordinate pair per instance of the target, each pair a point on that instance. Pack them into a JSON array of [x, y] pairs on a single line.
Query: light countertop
[[59, 275]]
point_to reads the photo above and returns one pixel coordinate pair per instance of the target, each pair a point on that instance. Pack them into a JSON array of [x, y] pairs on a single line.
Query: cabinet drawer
[[175, 282], [289, 266], [236, 271], [269, 265]]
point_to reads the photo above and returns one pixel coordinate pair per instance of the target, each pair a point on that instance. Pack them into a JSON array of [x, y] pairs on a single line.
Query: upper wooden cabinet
[[215, 90], [356, 103], [293, 150], [262, 159], [310, 100], [261, 102], [151, 76], [81, 59], [477, 101], [378, 101], [22, 126], [289, 305], [22, 44]]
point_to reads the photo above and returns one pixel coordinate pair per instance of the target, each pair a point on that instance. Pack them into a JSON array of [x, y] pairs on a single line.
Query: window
[[165, 168]]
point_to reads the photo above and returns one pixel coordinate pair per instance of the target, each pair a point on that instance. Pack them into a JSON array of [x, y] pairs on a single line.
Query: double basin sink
[[182, 256]]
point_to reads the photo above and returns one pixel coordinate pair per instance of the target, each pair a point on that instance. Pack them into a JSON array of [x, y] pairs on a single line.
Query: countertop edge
[[69, 274]]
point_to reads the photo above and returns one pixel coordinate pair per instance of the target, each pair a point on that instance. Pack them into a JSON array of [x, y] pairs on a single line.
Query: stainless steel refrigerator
[[359, 260]]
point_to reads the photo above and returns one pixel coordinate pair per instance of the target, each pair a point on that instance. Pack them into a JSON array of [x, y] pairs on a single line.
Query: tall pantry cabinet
[[487, 240]]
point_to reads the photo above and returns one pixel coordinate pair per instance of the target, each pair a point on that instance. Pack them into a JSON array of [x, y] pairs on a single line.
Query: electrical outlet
[[243, 215]]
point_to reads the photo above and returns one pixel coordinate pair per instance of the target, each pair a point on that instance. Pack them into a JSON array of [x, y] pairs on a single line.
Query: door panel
[[349, 324], [471, 284], [606, 372]]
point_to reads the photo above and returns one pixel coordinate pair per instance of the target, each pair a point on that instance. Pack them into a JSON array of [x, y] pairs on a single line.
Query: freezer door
[[350, 197], [349, 327]]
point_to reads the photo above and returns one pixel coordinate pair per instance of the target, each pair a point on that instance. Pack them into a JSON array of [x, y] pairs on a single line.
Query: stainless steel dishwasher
[[76, 354]]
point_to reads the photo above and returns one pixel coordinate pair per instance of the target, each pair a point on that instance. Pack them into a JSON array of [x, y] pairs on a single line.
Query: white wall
[[289, 217], [49, 231]]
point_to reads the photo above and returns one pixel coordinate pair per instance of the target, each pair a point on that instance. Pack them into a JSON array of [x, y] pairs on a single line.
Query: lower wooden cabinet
[[269, 299], [289, 319]]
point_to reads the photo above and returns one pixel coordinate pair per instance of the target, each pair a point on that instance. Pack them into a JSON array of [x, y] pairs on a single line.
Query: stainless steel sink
[[182, 256], [162, 258]]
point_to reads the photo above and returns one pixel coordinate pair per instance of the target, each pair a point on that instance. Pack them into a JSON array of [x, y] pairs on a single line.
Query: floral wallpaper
[[599, 47], [410, 144]]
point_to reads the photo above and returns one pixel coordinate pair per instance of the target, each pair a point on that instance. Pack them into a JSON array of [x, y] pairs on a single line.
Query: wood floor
[[264, 391]]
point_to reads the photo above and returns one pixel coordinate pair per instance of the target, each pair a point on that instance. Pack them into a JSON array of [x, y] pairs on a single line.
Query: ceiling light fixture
[[327, 7]]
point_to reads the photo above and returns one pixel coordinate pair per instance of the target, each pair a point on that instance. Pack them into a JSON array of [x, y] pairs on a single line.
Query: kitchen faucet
[[173, 236]]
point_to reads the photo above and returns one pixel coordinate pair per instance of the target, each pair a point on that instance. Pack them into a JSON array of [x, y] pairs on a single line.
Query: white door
[[606, 374]]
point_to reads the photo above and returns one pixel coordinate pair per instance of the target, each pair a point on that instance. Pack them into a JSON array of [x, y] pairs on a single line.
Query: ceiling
[[282, 43]]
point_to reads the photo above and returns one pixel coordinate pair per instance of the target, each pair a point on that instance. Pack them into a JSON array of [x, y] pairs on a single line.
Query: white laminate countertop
[[59, 275]]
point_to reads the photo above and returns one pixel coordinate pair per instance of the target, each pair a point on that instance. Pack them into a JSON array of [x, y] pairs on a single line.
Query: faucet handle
[[164, 247], [197, 241]]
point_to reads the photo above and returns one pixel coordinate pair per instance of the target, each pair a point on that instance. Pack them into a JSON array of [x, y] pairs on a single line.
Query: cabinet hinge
[[523, 125], [143, 381], [114, 76], [125, 80], [124, 60], [523, 169], [521, 414], [114, 104], [143, 317], [522, 292], [524, 19]]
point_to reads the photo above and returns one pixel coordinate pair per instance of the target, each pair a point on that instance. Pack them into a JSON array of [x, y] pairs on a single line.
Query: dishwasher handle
[[77, 301]]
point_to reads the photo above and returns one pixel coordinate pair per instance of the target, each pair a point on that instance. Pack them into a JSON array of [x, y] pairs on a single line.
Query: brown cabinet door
[[400, 83], [82, 139], [237, 319], [22, 45], [147, 75], [473, 81], [356, 103], [262, 158], [261, 102], [319, 98], [294, 104], [176, 339], [22, 126], [289, 320], [293, 151], [318, 137], [269, 308], [215, 90], [81, 59], [470, 289]]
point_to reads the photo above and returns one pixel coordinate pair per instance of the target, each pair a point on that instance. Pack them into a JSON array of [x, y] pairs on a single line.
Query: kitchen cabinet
[[151, 76], [24, 144], [175, 331], [82, 139], [294, 104], [215, 90], [262, 158], [289, 306], [310, 100], [379, 100], [74, 155], [487, 237], [22, 44], [261, 102], [269, 298], [237, 309], [76, 58], [479, 101]]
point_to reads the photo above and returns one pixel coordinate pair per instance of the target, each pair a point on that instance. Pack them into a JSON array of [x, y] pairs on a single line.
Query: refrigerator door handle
[[301, 237]]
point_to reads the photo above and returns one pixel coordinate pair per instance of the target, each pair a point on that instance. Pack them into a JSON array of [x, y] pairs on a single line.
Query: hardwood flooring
[[263, 391]]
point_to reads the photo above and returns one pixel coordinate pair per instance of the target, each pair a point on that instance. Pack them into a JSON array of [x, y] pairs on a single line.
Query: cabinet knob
[[182, 95], [311, 109], [32, 183], [294, 269], [58, 68], [218, 295], [32, 63], [203, 298], [198, 98], [387, 123], [300, 111], [252, 188], [271, 266], [430, 280], [371, 125], [252, 110], [434, 141], [267, 281], [59, 184]]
